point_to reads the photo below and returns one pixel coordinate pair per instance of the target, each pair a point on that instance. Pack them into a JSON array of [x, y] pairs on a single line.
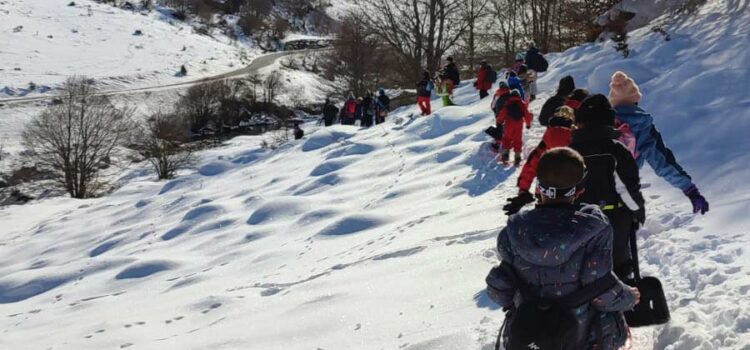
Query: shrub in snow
[[72, 3], [162, 143], [138, 32], [75, 137]]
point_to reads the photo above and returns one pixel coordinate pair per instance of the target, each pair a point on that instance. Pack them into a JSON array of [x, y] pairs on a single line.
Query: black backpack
[[515, 111], [500, 103], [546, 324], [491, 76], [537, 62]]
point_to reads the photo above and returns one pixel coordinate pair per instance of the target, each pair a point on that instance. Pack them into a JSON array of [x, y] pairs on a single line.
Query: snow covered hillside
[[45, 41], [381, 238]]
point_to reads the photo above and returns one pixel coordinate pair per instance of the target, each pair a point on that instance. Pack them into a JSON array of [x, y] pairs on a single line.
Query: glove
[[700, 204], [516, 203], [639, 216]]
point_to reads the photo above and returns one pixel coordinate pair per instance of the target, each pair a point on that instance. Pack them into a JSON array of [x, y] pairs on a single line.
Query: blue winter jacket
[[556, 250], [652, 148], [515, 83]]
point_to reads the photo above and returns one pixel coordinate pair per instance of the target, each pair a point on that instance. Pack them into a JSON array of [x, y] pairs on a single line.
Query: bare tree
[[419, 31], [474, 11], [271, 86], [74, 138], [162, 143], [356, 57]]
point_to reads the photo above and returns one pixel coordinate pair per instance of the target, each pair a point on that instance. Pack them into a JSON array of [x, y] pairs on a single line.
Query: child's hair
[[579, 95], [566, 112], [561, 168]]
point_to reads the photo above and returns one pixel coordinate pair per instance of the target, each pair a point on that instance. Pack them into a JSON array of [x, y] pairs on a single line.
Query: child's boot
[[517, 161], [506, 156]]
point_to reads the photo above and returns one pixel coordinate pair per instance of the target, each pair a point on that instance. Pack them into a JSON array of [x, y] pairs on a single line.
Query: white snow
[[381, 238], [98, 40]]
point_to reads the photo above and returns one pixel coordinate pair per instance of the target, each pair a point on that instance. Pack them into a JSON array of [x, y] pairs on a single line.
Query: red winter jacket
[[554, 137], [482, 83]]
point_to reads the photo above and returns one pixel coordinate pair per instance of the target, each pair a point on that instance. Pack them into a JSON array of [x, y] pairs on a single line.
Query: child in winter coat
[[558, 134], [424, 93], [445, 89], [559, 250], [515, 83], [484, 81], [576, 98], [528, 80], [564, 88], [613, 182], [625, 95], [513, 116], [383, 106], [349, 111]]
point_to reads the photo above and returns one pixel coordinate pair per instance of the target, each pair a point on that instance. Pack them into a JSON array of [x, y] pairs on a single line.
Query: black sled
[[494, 132], [653, 308]]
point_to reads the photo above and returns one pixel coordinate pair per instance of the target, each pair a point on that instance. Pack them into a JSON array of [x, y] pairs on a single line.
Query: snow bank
[[380, 238]]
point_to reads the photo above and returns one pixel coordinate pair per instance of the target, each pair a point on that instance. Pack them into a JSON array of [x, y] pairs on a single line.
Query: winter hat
[[515, 93], [450, 59], [596, 110], [381, 91], [520, 56], [566, 86], [623, 90], [579, 95], [502, 84]]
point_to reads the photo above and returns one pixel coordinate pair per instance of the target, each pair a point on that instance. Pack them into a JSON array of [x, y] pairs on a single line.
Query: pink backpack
[[627, 137]]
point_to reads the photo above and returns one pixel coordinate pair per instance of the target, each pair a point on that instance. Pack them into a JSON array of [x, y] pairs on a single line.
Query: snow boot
[[505, 157], [517, 161]]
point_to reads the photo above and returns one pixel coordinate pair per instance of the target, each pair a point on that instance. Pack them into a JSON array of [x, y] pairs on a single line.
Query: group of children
[[573, 250], [368, 110]]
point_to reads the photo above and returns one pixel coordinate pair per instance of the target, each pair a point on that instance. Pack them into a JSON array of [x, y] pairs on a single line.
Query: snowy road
[[255, 66]]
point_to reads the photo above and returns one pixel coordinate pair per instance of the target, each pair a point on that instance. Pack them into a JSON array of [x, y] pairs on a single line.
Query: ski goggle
[[561, 192]]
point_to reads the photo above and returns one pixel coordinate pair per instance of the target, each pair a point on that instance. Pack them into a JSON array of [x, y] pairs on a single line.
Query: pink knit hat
[[623, 90]]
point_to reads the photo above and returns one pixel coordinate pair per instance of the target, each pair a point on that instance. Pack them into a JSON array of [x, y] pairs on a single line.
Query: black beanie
[[596, 110], [566, 86]]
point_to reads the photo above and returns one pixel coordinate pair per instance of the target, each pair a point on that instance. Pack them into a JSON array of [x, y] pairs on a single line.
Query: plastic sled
[[653, 308]]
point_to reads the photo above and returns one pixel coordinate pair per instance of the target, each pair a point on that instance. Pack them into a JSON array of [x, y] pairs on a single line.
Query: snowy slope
[[380, 238], [55, 41]]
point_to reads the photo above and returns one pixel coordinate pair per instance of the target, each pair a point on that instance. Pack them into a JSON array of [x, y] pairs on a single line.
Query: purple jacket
[[556, 249]]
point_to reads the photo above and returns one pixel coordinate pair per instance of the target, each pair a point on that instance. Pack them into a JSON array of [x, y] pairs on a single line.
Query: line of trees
[[404, 37]]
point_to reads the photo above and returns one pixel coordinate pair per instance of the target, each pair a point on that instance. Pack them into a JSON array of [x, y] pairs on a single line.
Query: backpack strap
[[581, 296]]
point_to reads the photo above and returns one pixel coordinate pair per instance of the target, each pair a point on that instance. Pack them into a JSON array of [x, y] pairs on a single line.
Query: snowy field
[[381, 238], [45, 41]]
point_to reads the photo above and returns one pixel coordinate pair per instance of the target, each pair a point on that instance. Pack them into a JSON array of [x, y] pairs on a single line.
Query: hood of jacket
[[566, 86], [636, 117], [550, 235]]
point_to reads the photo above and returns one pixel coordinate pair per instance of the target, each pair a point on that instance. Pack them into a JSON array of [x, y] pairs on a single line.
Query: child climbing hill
[[559, 254], [513, 116], [649, 146]]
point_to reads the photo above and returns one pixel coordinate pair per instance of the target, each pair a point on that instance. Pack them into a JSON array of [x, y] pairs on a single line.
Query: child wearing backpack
[[555, 280], [513, 116], [502, 94], [424, 93], [613, 182], [640, 133], [485, 78], [558, 134], [564, 88], [383, 106]]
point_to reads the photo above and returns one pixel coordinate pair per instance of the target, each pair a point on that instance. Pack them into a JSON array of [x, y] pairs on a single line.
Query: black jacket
[[451, 71], [564, 88], [612, 177], [329, 112]]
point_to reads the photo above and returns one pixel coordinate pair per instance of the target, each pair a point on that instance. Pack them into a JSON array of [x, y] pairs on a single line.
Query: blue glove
[[700, 204]]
